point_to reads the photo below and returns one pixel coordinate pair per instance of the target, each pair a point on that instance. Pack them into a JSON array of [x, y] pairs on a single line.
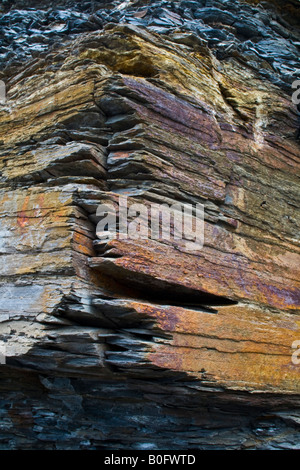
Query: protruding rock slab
[[159, 119]]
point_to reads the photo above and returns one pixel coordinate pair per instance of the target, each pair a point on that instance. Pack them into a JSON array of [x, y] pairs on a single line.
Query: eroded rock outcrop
[[139, 343]]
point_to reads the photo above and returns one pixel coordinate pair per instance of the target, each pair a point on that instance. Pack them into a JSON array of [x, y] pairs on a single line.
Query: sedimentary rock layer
[[142, 343]]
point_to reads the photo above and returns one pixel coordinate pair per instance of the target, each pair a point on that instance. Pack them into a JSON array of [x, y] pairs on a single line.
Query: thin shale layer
[[140, 344]]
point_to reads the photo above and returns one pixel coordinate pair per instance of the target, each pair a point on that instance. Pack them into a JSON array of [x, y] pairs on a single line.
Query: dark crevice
[[184, 297], [146, 289]]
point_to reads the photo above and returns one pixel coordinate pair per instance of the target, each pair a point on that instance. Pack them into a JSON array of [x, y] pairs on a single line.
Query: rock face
[[142, 344]]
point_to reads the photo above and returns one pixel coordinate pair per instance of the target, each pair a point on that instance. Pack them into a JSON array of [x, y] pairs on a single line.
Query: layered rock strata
[[144, 344]]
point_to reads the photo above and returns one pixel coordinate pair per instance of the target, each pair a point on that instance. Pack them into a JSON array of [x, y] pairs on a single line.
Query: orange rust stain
[[83, 244], [165, 358], [247, 370], [26, 214], [120, 155], [231, 346], [40, 204], [23, 219]]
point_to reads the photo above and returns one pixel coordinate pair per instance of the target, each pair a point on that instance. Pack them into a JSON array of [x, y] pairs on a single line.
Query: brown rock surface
[[126, 111]]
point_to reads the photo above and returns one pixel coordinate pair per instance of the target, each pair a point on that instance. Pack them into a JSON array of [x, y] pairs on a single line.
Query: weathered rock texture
[[141, 344]]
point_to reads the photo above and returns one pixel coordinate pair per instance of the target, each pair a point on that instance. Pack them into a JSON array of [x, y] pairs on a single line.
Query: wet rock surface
[[140, 344]]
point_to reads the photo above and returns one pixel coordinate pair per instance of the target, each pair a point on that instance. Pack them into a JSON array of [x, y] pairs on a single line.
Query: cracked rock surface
[[143, 344]]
